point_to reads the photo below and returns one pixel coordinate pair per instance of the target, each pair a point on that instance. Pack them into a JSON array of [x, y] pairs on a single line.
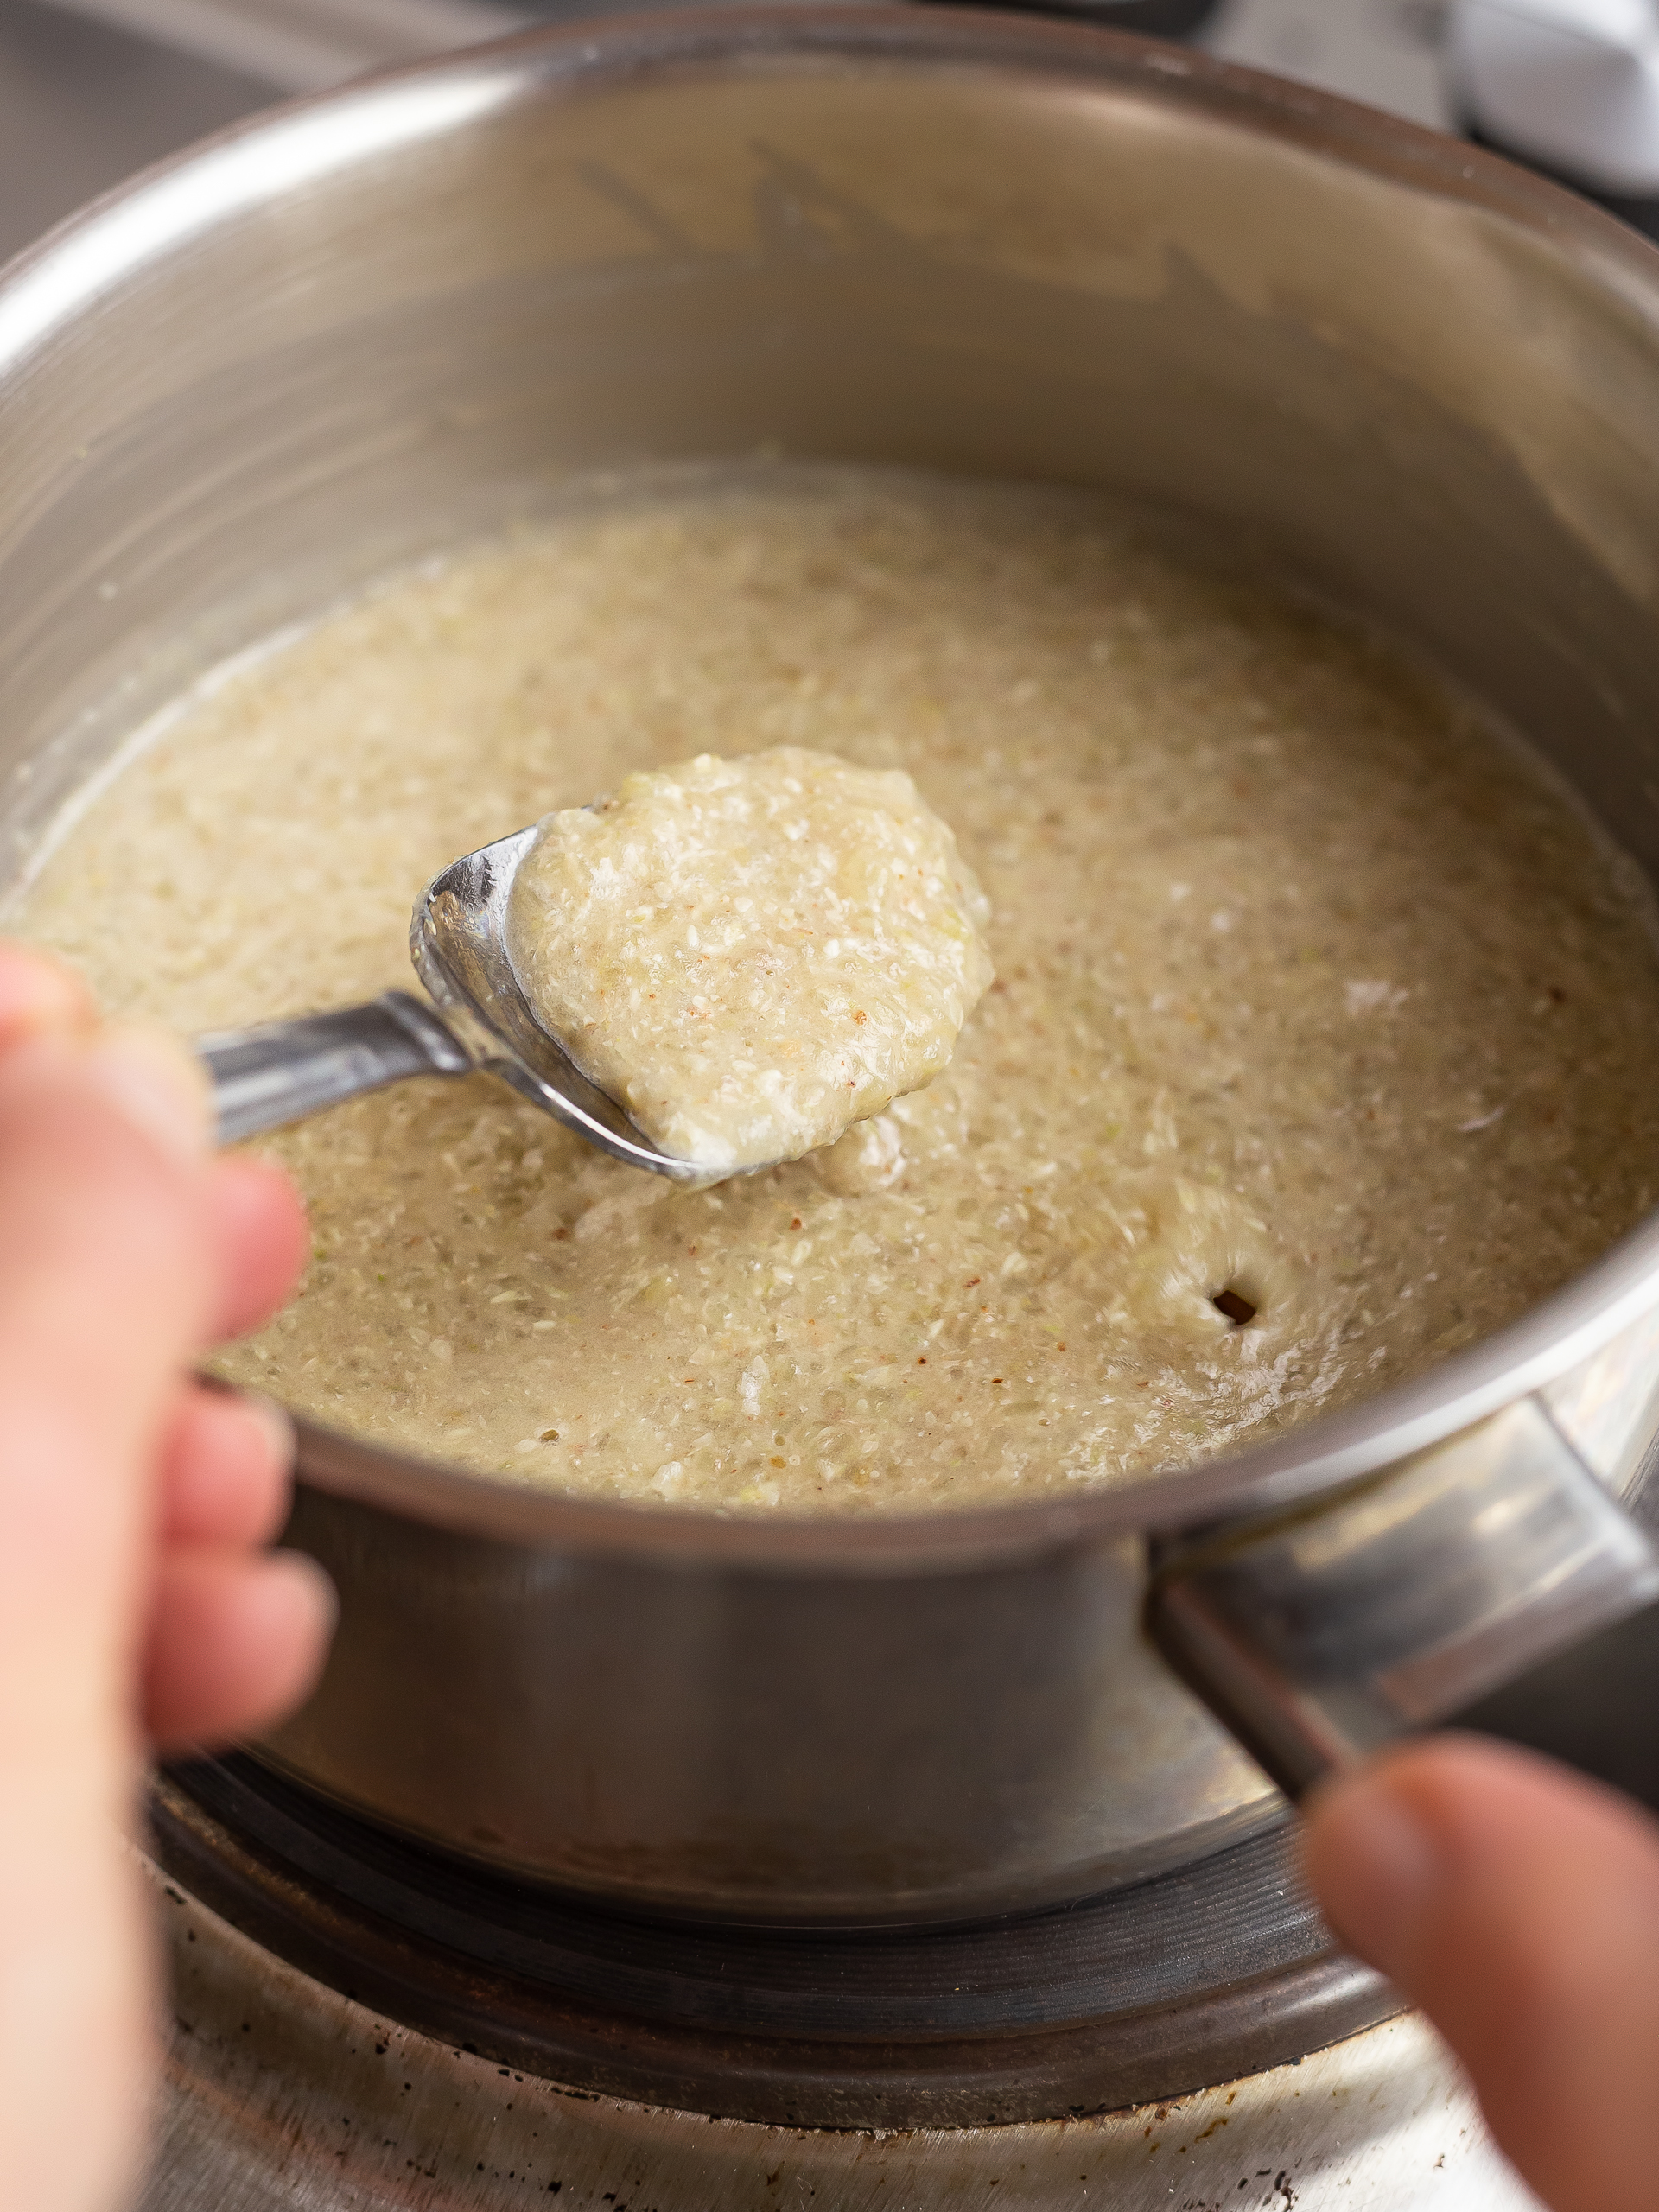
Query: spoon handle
[[284, 1070]]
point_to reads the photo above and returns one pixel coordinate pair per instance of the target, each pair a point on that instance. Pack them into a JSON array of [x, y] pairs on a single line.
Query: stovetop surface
[[360, 2022], [283, 2095]]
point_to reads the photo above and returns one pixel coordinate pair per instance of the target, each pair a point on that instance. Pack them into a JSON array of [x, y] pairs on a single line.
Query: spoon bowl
[[477, 1018]]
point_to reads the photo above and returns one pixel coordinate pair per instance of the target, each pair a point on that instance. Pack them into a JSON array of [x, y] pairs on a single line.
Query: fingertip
[[236, 1644], [1386, 1844], [1518, 1904], [275, 1422], [225, 1468], [40, 992], [108, 1265], [1370, 1860], [158, 1084], [294, 1610], [264, 1238]]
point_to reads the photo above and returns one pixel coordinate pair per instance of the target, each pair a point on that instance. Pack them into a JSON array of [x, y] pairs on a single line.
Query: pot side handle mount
[[1489, 1583]]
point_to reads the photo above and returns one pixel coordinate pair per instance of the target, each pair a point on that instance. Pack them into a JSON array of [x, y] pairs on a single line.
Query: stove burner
[[1197, 1976]]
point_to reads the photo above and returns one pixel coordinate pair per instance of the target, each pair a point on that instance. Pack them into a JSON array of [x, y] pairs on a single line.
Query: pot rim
[[47, 289]]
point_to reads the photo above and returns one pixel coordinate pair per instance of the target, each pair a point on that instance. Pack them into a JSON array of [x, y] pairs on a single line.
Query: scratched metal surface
[[282, 2096]]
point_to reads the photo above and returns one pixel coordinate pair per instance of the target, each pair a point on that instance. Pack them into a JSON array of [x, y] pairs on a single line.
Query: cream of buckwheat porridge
[[751, 954], [1310, 998]]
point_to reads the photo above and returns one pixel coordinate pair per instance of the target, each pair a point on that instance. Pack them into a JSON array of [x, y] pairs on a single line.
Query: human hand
[[136, 1605], [1518, 1904]]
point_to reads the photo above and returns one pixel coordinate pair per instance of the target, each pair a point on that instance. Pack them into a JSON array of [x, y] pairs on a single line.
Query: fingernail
[[312, 1585], [1373, 1864], [159, 1086], [278, 1425]]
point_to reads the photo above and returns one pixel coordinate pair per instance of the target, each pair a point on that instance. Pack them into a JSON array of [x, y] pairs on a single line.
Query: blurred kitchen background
[[92, 90]]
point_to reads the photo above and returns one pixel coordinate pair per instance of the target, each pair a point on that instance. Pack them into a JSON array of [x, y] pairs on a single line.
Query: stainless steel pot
[[1401, 370]]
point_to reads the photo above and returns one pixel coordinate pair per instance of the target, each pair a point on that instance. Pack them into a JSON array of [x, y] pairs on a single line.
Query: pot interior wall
[[380, 324]]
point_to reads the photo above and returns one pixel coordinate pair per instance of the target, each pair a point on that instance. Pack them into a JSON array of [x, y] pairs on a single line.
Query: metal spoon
[[284, 1070]]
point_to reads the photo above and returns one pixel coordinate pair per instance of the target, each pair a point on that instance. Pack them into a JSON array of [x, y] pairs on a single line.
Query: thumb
[[1518, 1905]]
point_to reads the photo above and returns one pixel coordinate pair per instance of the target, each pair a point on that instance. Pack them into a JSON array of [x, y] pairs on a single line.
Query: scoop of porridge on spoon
[[720, 966]]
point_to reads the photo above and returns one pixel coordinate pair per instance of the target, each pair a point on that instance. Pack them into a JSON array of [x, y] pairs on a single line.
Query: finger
[[262, 1237], [235, 1643], [1518, 1904], [225, 1468], [39, 993], [106, 1274]]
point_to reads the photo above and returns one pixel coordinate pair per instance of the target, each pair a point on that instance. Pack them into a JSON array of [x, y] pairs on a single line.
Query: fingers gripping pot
[[1380, 361]]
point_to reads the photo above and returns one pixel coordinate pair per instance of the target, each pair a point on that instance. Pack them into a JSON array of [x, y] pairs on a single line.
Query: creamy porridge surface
[[1306, 990], [751, 954]]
